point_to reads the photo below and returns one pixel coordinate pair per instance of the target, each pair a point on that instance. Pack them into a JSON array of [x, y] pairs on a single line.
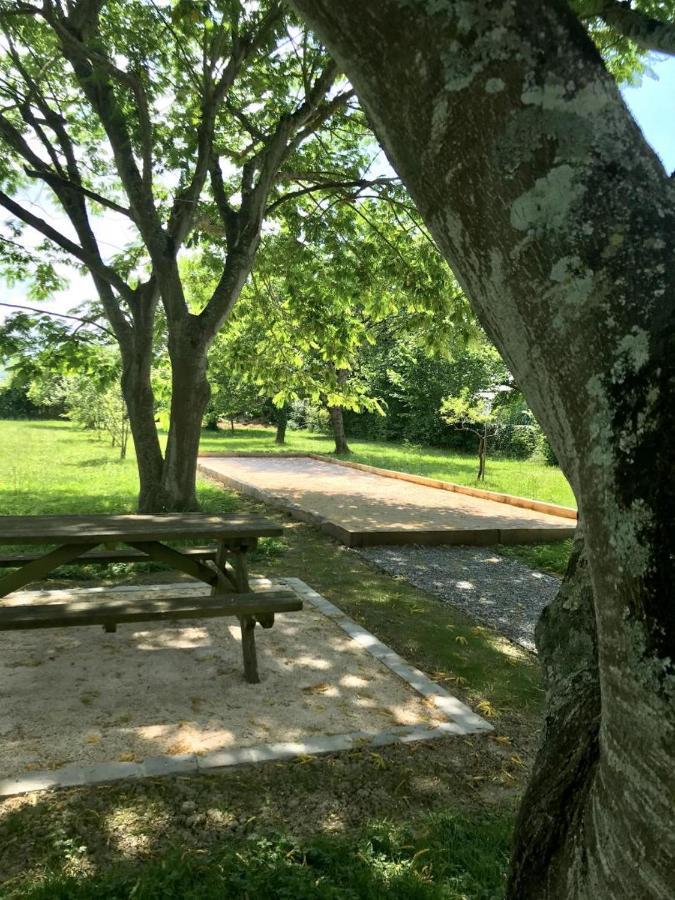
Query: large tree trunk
[[140, 401], [554, 804], [189, 398], [338, 424], [560, 224]]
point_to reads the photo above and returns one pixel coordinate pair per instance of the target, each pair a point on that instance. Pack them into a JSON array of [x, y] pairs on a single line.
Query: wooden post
[[247, 623], [239, 564], [248, 649]]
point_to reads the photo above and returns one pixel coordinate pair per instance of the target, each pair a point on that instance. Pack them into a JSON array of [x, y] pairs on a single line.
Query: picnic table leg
[[239, 564], [224, 583], [246, 623]]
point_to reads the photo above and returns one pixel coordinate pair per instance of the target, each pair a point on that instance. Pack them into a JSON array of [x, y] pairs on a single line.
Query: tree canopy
[[142, 128]]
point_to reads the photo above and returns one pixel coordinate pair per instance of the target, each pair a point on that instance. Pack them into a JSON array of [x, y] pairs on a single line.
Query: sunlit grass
[[53, 468]]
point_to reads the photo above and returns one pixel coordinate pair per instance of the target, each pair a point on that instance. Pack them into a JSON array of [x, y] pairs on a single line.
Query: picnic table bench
[[222, 566]]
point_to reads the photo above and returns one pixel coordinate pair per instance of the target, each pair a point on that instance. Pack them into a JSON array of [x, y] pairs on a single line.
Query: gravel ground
[[500, 592]]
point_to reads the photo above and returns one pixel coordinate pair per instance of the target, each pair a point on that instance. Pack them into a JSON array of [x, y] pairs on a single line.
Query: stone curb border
[[553, 509], [462, 719]]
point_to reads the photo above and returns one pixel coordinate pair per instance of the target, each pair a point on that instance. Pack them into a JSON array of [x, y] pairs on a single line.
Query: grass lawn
[[423, 821]]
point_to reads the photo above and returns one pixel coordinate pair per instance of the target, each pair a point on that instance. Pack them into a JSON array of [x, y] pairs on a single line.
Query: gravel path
[[500, 592]]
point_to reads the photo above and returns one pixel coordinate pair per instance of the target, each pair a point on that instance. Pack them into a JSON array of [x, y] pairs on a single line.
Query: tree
[[157, 122], [478, 414], [559, 222], [333, 279], [69, 368]]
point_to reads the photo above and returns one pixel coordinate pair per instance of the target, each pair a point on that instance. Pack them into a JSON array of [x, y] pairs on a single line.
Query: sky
[[652, 103]]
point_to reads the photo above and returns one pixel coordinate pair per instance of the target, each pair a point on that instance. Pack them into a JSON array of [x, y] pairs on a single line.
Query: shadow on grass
[[244, 434], [43, 426], [91, 463], [449, 855]]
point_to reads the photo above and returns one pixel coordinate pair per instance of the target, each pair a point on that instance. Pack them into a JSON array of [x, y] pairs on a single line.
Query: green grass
[[437, 816], [53, 467], [88, 466], [551, 558], [451, 857], [524, 478]]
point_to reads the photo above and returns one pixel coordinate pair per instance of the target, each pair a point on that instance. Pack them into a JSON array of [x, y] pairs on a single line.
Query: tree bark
[[140, 401], [282, 422], [559, 222], [553, 808], [338, 425], [482, 451], [189, 398]]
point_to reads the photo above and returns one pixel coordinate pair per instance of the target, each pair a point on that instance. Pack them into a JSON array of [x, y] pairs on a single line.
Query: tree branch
[[92, 70], [97, 266], [49, 312], [228, 214], [50, 177], [328, 185], [184, 207], [267, 162], [642, 29]]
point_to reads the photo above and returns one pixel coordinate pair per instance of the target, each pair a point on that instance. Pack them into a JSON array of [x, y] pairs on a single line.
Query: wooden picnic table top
[[110, 528]]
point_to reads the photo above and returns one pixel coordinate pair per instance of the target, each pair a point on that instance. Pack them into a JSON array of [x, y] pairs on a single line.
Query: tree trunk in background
[[282, 422], [189, 398], [338, 424], [337, 417], [482, 451], [559, 222]]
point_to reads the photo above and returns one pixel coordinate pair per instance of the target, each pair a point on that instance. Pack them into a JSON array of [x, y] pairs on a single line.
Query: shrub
[[16, 404]]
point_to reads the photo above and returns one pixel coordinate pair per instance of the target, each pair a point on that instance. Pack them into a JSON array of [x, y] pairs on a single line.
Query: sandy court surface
[[363, 504], [80, 696]]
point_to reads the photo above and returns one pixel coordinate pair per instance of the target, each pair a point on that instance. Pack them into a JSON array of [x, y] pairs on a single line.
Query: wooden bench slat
[[101, 529], [104, 610], [124, 554]]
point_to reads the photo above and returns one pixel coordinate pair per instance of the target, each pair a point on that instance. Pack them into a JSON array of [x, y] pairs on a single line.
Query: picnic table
[[222, 565]]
